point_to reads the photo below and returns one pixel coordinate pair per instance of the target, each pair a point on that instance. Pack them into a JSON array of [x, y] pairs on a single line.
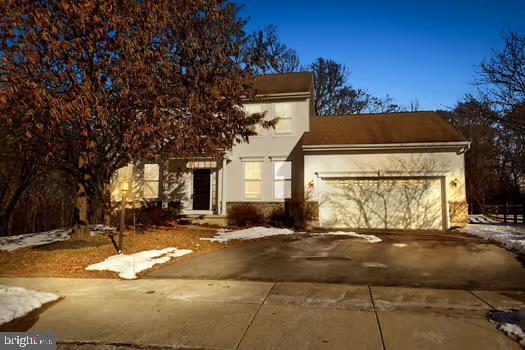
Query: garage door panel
[[372, 203]]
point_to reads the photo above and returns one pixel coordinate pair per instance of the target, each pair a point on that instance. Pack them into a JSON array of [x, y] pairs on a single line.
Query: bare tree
[[414, 105], [501, 82], [333, 94], [487, 171], [382, 105], [17, 172], [274, 56], [501, 79]]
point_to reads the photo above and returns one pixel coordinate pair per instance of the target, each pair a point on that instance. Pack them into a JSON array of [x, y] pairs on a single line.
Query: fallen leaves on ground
[[70, 258]]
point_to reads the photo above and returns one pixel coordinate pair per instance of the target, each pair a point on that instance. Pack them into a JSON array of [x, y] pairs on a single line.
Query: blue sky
[[408, 49]]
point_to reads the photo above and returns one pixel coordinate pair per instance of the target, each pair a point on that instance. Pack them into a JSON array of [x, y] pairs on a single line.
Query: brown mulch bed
[[70, 258]]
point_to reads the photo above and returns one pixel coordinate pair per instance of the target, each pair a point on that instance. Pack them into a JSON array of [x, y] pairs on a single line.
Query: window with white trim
[[282, 179], [252, 180], [283, 113], [252, 109], [151, 181], [124, 174]]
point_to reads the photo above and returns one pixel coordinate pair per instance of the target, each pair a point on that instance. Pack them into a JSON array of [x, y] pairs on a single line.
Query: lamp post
[[124, 188]]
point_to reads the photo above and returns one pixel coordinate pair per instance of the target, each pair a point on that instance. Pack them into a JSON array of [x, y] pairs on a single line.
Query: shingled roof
[[270, 84], [409, 127]]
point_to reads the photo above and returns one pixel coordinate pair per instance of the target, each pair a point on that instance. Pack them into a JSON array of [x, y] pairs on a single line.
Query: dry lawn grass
[[70, 258]]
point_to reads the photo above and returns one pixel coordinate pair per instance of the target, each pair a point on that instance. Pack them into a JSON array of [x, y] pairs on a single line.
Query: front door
[[201, 189]]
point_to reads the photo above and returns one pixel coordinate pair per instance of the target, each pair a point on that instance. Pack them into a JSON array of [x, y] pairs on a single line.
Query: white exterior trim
[[222, 174], [252, 158], [462, 145], [278, 158], [380, 174], [305, 94], [197, 212]]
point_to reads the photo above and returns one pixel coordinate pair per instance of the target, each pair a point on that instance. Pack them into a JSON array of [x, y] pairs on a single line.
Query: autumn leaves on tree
[[97, 83]]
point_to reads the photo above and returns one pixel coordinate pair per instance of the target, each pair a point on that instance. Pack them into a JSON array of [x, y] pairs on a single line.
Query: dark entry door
[[201, 189]]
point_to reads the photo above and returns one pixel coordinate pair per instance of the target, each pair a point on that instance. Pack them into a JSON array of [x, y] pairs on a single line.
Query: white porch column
[[163, 183], [218, 187], [222, 188]]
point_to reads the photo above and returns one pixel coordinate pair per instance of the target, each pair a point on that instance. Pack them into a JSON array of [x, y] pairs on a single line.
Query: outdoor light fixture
[[454, 183], [124, 187]]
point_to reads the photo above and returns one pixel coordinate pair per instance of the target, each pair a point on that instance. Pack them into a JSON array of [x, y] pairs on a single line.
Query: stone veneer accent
[[266, 208], [293, 209], [458, 212]]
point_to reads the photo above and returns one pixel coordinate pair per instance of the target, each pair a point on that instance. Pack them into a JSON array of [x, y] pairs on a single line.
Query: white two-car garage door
[[386, 203]]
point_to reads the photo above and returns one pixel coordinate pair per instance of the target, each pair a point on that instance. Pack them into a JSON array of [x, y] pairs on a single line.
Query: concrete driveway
[[97, 314], [449, 260]]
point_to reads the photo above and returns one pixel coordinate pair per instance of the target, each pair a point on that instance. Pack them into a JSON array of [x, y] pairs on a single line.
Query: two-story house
[[400, 170]]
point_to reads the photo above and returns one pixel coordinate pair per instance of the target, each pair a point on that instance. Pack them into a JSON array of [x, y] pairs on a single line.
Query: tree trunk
[[3, 225], [81, 227], [9, 208], [107, 203], [81, 213]]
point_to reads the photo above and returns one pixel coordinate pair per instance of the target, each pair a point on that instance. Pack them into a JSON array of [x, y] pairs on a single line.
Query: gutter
[[283, 95], [462, 145]]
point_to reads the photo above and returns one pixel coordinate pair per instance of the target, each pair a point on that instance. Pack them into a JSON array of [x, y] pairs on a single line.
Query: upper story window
[[151, 181], [253, 108], [252, 180], [283, 112]]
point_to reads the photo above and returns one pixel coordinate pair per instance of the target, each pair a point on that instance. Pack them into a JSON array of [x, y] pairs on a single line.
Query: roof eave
[[449, 145], [283, 95]]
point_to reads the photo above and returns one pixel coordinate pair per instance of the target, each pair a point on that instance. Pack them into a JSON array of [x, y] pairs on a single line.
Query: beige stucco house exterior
[[393, 171]]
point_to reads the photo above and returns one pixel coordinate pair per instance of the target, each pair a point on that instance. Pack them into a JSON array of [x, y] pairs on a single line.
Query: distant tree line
[[494, 120], [334, 94]]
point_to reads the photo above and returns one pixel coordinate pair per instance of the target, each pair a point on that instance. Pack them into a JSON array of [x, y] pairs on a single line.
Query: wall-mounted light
[[454, 183], [311, 185]]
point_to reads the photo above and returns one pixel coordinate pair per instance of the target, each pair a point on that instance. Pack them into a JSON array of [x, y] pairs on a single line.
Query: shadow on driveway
[[447, 260]]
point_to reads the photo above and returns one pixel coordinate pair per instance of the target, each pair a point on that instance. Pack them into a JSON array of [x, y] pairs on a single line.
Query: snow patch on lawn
[[481, 219], [10, 243], [129, 265], [100, 228], [368, 238], [511, 323], [373, 264], [510, 236], [33, 239], [16, 302], [249, 233], [399, 245], [224, 235]]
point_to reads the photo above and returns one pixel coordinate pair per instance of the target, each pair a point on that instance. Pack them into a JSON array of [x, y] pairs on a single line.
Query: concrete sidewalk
[[265, 315]]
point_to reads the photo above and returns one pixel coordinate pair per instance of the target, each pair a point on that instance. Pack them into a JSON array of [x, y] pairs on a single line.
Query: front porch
[[196, 187], [191, 187]]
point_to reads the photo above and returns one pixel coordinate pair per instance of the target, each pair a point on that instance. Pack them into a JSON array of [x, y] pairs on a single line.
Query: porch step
[[202, 219]]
